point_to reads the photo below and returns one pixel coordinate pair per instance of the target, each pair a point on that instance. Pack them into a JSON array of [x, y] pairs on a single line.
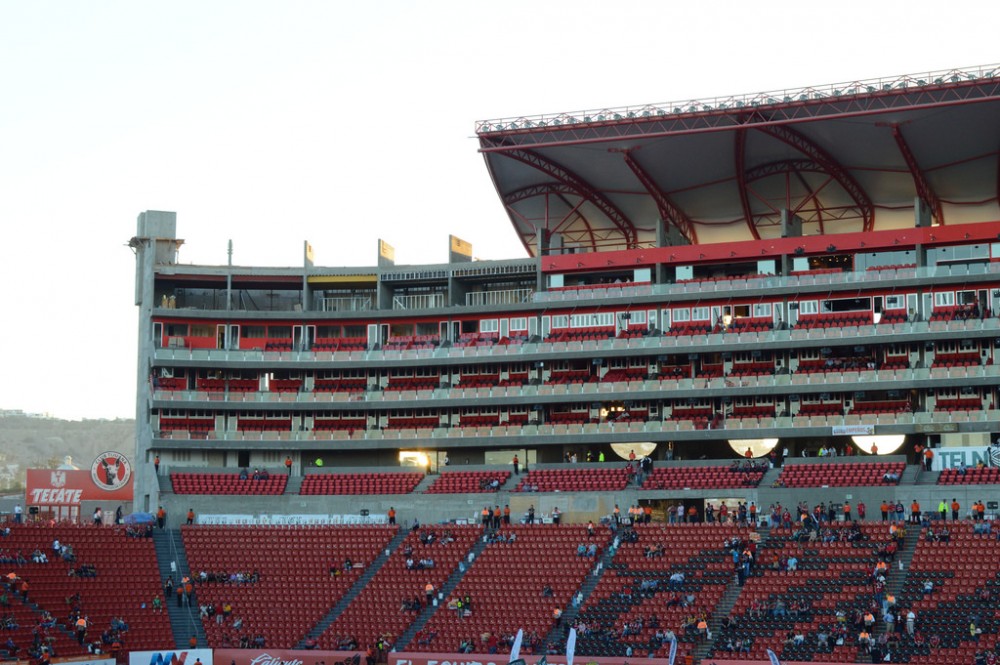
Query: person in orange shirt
[[915, 512], [885, 510], [928, 458], [847, 511], [955, 507], [506, 514], [392, 515]]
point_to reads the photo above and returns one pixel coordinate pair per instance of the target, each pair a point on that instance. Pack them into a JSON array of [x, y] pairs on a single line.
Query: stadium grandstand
[[740, 397]]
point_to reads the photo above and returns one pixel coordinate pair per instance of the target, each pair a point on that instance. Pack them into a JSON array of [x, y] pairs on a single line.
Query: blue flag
[[773, 657], [673, 652]]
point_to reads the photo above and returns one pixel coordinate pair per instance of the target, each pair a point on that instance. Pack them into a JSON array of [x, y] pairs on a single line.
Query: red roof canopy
[[844, 158]]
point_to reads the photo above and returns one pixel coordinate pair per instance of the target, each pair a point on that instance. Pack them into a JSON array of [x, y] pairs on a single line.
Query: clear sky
[[275, 122]]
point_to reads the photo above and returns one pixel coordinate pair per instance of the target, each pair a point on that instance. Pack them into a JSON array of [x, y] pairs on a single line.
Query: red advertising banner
[[418, 658], [284, 657], [109, 479]]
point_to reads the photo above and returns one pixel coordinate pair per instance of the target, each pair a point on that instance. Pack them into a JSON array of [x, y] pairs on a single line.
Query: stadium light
[[887, 443], [641, 449], [758, 447]]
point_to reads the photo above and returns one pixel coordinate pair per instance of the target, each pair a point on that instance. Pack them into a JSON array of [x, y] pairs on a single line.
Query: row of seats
[[334, 344], [987, 475], [226, 483], [841, 474], [574, 480], [466, 482], [359, 483], [702, 477], [834, 320]]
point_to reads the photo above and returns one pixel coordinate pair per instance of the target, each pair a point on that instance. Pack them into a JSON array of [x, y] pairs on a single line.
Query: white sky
[[339, 122]]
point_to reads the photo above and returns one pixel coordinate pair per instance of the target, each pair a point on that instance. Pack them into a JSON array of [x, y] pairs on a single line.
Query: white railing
[[750, 100], [421, 301], [507, 297], [349, 304]]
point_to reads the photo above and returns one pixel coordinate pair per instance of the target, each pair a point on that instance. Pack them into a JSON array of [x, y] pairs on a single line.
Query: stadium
[[739, 397]]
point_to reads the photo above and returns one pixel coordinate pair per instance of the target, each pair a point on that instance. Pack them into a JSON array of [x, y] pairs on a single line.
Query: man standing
[[161, 517], [392, 515], [18, 514], [928, 458], [190, 516], [288, 464], [915, 512], [955, 507], [517, 464], [943, 509], [156, 464]]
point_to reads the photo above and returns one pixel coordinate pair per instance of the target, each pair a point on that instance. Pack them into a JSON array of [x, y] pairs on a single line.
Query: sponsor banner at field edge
[[171, 657], [77, 660], [852, 430], [952, 457], [227, 519], [283, 657], [419, 658]]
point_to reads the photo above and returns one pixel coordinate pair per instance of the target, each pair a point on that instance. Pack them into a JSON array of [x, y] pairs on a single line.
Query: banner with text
[[952, 457], [417, 658], [299, 520], [283, 656], [175, 657]]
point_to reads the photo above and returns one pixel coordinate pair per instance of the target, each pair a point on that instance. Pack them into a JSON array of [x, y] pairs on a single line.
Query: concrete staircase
[[294, 484], [559, 634], [173, 564], [355, 589], [719, 612], [444, 592]]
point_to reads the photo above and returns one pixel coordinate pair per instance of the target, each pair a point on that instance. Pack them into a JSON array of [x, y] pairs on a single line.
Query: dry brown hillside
[[32, 442]]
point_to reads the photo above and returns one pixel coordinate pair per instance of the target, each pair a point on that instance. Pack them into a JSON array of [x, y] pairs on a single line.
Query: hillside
[[38, 442]]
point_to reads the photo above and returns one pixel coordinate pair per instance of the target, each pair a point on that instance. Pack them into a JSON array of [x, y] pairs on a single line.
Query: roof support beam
[[582, 188], [924, 189], [669, 212], [807, 147], [740, 155]]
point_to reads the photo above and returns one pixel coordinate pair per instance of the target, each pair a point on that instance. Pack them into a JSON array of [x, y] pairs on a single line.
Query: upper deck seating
[[463, 482], [703, 477], [958, 404], [756, 368], [840, 474], [574, 480], [751, 324], [226, 483], [834, 320], [589, 334], [957, 359], [293, 567], [882, 406], [334, 344], [344, 385], [360, 483], [411, 342], [682, 328], [285, 385]]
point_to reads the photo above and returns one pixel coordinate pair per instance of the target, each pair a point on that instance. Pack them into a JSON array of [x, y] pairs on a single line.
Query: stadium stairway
[[771, 475], [294, 485], [352, 593], [559, 634], [445, 591], [897, 573], [173, 564], [425, 483]]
